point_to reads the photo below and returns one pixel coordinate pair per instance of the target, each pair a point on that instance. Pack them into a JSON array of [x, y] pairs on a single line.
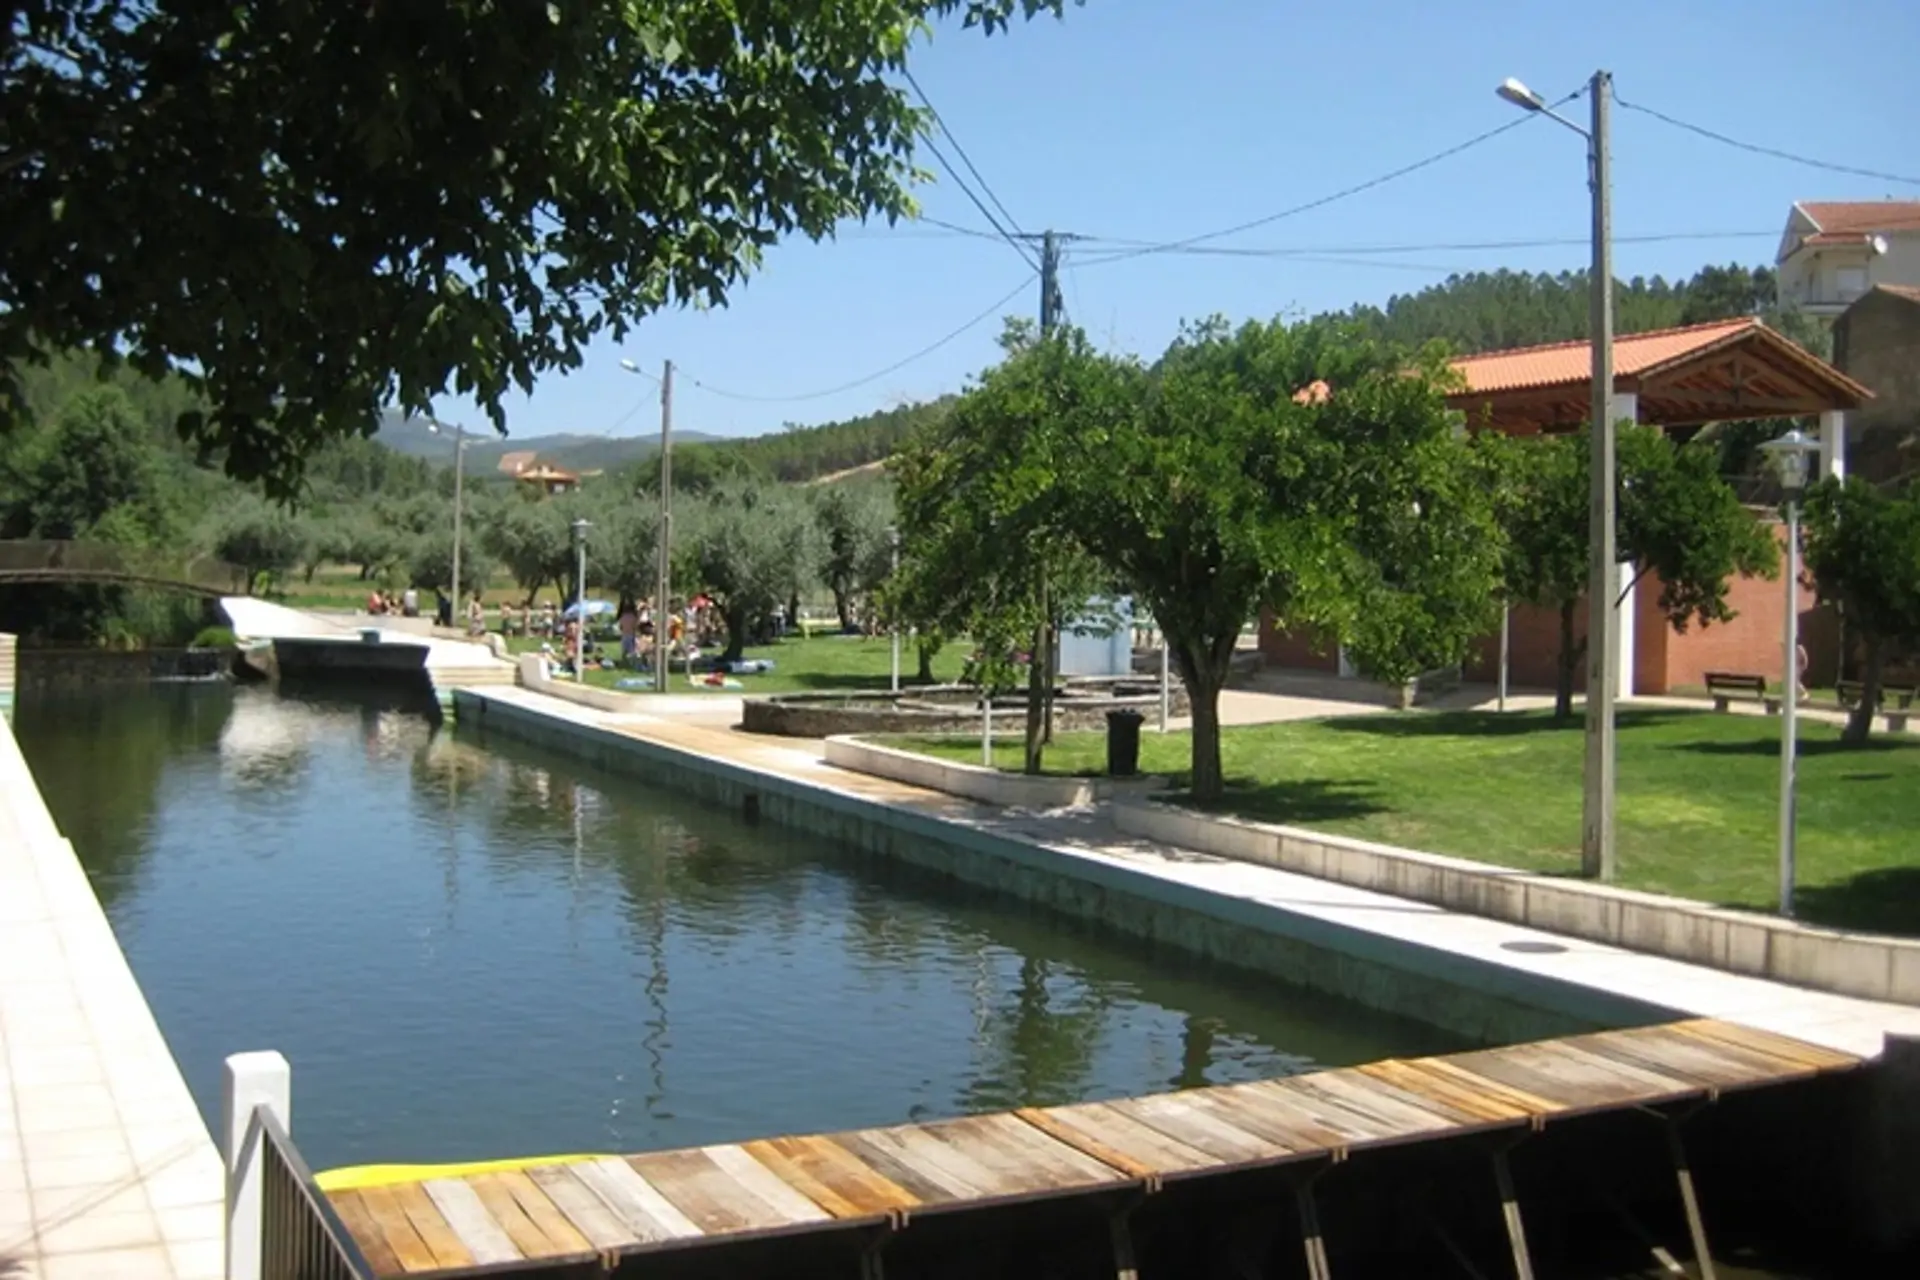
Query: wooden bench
[[1900, 695], [1725, 686]]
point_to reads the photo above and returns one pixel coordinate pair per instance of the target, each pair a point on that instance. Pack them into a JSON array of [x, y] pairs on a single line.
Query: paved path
[[106, 1168], [1841, 1022]]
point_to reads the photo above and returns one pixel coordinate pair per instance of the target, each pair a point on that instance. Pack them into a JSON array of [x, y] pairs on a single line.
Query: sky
[[1155, 120]]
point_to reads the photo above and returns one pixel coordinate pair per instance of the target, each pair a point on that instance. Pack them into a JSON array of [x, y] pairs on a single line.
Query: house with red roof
[[1833, 251]]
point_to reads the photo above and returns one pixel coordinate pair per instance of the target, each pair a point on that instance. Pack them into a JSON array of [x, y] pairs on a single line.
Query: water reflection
[[471, 948]]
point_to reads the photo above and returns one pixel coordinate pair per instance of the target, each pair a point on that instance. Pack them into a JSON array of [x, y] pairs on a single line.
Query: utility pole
[[1040, 669], [662, 628], [1597, 849]]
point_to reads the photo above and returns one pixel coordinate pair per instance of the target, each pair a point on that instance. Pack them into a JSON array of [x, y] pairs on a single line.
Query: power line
[[986, 213], [1459, 246], [961, 151], [877, 374], [1342, 194], [1757, 149]]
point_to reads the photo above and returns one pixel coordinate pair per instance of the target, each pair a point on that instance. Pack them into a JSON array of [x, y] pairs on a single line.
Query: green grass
[[1698, 798], [819, 664]]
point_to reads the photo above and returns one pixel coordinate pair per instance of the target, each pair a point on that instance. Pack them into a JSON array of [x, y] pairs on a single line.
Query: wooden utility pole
[[1040, 669]]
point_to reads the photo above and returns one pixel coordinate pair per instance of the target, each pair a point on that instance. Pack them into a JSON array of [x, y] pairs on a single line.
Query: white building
[[1834, 251]]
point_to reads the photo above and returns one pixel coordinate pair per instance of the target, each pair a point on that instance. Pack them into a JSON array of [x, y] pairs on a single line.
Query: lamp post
[[661, 630], [1603, 625], [580, 527], [1792, 457], [893, 540], [440, 428]]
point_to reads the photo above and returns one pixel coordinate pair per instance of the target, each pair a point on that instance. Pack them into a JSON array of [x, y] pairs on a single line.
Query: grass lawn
[[1698, 798], [819, 664]]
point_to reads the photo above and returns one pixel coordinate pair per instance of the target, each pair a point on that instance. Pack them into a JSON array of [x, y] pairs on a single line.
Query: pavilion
[[1678, 380]]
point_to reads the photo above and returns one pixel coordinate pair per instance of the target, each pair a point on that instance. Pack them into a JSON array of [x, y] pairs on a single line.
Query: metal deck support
[[871, 1267], [1683, 1174], [1121, 1234], [1311, 1238], [1510, 1211]]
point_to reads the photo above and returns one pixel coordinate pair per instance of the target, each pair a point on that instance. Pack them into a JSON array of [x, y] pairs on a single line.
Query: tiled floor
[[1842, 1022], [106, 1168]]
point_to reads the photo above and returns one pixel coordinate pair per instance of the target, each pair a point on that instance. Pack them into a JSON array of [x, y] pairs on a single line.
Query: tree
[[532, 540], [430, 563], [1300, 467], [1863, 553], [855, 521], [94, 461], [260, 538], [623, 550], [308, 212], [993, 551], [750, 546], [1676, 518]]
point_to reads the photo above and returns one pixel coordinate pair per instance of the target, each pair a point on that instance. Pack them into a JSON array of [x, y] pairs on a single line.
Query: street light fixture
[[1792, 458], [1603, 625], [440, 428], [661, 631], [579, 527]]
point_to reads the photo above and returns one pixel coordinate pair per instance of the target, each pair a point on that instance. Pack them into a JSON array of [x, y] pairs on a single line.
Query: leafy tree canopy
[[1863, 552], [310, 211]]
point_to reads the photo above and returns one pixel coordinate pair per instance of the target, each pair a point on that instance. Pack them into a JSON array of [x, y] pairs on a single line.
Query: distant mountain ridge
[[574, 451]]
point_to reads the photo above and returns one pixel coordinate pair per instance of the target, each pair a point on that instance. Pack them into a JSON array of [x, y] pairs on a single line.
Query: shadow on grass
[[1493, 724], [1303, 800], [1768, 744], [1884, 900]]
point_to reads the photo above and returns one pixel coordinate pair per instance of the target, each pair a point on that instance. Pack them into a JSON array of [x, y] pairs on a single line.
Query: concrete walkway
[[106, 1168], [1855, 1026]]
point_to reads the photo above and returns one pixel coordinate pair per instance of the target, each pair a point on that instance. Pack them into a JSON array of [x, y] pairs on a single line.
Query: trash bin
[[1123, 743]]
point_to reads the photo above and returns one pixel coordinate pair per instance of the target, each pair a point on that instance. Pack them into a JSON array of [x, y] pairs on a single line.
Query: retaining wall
[[977, 782], [1484, 1002], [826, 715], [1866, 965]]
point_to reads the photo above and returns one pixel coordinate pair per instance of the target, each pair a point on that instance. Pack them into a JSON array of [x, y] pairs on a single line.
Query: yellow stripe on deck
[[412, 1220]]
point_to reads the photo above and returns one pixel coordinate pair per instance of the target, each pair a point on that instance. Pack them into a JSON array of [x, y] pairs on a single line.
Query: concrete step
[[491, 675]]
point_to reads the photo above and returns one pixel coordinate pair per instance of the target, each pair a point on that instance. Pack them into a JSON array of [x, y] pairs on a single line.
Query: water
[[476, 949]]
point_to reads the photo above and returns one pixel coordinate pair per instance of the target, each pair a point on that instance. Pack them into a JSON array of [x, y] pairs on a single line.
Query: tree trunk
[[1569, 657], [1047, 655], [1036, 700], [843, 609], [736, 620], [1860, 721], [1209, 782], [925, 674]]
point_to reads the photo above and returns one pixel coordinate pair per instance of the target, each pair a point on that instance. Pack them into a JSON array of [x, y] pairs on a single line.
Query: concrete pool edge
[[104, 1159], [1479, 977]]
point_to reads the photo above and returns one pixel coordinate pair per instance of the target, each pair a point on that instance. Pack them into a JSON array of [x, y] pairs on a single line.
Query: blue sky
[[1158, 120]]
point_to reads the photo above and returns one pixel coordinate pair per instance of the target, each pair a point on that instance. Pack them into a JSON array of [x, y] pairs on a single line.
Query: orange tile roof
[[1862, 217], [1907, 291], [1526, 368]]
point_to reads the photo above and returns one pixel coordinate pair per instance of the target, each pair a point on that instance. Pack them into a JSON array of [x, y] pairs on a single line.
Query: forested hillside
[[797, 454]]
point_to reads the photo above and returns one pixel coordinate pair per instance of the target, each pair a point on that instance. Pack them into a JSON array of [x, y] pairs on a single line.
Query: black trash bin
[[1123, 743]]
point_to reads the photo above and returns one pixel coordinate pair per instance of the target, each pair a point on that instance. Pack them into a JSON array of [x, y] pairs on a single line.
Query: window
[[1849, 282]]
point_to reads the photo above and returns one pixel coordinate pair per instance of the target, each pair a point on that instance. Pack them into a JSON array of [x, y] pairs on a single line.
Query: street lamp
[[665, 548], [893, 539], [440, 428], [1792, 458], [580, 527], [1603, 625]]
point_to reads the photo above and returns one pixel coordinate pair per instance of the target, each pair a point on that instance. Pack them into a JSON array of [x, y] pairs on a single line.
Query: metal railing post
[[251, 1081]]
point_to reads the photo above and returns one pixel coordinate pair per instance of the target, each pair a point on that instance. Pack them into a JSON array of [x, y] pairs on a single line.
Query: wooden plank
[[831, 1176], [1117, 1161], [1441, 1091], [1373, 1116], [1578, 1080], [505, 1210], [1116, 1131], [1453, 1075], [588, 1214], [1627, 1082], [1407, 1113], [470, 1219], [1762, 1067], [1819, 1057], [1695, 1060], [358, 1220], [935, 1162], [1344, 1079], [696, 1186], [435, 1232], [1030, 1154], [783, 1199], [396, 1228], [633, 1199], [1266, 1115], [1198, 1126], [544, 1214], [928, 1187]]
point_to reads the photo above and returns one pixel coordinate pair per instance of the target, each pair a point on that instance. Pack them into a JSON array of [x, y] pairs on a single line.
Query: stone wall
[[828, 715], [46, 670]]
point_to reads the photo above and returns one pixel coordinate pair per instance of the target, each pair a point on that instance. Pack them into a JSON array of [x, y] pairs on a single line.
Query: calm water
[[475, 949]]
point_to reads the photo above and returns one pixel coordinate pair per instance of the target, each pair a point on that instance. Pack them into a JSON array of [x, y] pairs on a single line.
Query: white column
[[251, 1080], [1833, 444], [1626, 408]]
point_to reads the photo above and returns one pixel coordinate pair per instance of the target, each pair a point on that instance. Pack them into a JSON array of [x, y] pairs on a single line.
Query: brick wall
[[1300, 653]]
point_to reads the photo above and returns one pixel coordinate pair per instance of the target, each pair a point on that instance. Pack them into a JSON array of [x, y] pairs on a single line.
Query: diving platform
[[873, 1186]]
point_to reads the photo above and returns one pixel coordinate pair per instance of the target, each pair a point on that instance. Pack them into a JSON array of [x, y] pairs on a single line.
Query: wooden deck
[[609, 1208]]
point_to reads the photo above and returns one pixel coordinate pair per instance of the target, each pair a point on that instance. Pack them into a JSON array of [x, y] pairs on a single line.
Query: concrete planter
[[1871, 966], [977, 782]]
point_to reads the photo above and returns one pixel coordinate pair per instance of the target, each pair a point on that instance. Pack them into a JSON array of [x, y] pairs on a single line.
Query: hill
[[571, 450]]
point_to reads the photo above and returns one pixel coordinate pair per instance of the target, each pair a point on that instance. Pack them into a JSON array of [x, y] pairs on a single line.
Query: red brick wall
[[1533, 648], [1750, 643], [1305, 653]]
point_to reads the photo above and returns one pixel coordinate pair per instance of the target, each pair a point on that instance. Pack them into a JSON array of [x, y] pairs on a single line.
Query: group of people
[[406, 604]]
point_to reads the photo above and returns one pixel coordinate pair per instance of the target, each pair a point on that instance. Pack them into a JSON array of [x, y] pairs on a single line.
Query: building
[[526, 468], [1676, 379], [1876, 342], [1833, 252]]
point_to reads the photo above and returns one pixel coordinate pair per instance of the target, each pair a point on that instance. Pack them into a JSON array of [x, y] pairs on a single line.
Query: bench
[[1725, 686], [1900, 695]]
